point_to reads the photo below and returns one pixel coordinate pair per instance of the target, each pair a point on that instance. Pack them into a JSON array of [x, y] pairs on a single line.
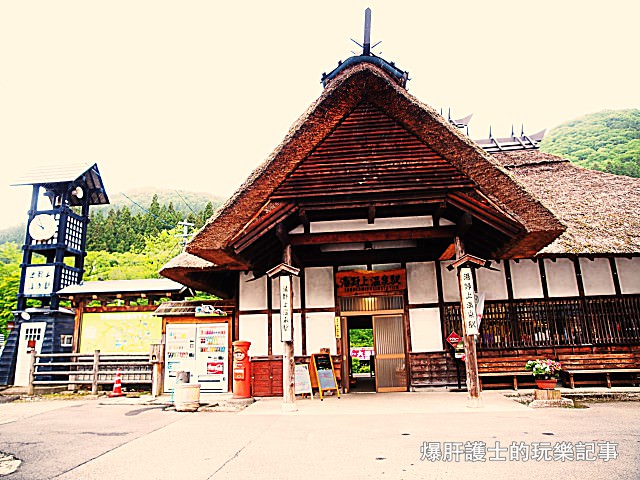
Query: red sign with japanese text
[[366, 283], [454, 339]]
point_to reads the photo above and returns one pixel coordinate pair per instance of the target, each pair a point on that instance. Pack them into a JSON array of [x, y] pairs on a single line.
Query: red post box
[[241, 370]]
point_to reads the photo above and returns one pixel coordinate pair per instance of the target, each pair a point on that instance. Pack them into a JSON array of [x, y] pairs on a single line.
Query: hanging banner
[[468, 303], [286, 334], [366, 283]]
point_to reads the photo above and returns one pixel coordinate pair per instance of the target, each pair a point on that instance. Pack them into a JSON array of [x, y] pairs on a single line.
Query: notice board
[[325, 373], [303, 380]]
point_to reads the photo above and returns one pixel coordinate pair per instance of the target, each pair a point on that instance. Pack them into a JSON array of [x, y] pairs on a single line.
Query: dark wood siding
[[369, 152]]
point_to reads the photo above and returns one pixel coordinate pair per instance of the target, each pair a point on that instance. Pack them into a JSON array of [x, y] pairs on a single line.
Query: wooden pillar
[[288, 360], [471, 358]]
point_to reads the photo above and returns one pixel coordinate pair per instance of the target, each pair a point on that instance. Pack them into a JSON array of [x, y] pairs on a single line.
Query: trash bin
[[186, 396]]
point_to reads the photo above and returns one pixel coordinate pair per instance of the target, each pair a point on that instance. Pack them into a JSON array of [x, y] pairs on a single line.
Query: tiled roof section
[[149, 285], [53, 174]]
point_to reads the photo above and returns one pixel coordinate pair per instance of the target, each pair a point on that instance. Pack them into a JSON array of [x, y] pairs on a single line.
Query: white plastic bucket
[[186, 397]]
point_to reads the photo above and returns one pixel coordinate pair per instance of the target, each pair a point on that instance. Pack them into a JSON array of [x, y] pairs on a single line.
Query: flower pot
[[546, 383]]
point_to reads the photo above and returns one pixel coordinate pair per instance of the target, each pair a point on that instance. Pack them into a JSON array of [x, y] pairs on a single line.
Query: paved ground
[[397, 436]]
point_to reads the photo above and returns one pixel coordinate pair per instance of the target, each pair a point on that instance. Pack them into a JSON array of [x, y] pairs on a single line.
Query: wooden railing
[[88, 369], [555, 322]]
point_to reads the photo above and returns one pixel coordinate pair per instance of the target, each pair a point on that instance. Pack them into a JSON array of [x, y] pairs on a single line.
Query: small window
[[66, 340]]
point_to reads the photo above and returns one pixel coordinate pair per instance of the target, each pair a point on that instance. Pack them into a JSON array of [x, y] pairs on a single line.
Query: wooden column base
[[547, 394]]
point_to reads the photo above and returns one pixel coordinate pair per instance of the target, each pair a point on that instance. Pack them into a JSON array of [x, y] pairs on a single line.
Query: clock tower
[[53, 258]]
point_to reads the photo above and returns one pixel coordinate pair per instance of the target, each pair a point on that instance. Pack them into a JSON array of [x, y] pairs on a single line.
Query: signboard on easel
[[303, 380], [325, 373]]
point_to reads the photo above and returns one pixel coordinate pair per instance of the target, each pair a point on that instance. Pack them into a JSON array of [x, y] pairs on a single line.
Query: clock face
[[42, 227]]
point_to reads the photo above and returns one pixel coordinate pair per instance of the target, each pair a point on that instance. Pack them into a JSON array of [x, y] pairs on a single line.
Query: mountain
[[608, 141], [183, 201]]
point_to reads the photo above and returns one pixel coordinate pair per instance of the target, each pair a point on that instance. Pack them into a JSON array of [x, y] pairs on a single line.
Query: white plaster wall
[[492, 283], [254, 328], [360, 224], [277, 347], [275, 293], [629, 274], [346, 268], [561, 278], [318, 284], [450, 288], [421, 282], [596, 277], [320, 332], [386, 266], [525, 278], [426, 332], [253, 294]]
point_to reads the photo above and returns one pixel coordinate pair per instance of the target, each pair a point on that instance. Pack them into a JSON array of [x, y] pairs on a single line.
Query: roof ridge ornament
[[399, 76]]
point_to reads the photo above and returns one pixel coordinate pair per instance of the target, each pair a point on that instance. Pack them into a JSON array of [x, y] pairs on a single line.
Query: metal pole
[[32, 372], [94, 373]]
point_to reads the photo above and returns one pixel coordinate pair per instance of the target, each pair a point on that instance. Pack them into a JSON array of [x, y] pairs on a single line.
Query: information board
[[326, 375], [303, 380]]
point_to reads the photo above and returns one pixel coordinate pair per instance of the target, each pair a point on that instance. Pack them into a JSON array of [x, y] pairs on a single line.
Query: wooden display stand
[[324, 374]]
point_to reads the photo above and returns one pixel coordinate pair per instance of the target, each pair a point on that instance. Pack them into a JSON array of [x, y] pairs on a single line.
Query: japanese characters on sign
[[285, 309], [453, 339], [365, 283], [361, 353], [469, 315], [39, 280]]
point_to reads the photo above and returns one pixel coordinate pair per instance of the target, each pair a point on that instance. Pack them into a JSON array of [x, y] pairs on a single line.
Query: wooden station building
[[370, 190]]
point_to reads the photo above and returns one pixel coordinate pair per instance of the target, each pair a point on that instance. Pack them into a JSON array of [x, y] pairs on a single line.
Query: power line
[[147, 211]]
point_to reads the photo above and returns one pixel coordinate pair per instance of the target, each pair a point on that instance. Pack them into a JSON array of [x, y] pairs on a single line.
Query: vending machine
[[212, 357], [180, 353], [200, 349]]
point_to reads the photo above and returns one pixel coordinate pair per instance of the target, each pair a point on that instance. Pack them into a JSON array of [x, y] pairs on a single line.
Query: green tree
[[608, 141]]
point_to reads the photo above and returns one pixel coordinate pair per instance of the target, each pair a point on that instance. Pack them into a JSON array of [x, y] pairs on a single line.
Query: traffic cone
[[117, 386]]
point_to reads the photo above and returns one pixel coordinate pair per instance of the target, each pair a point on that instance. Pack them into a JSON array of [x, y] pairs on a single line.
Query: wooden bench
[[503, 367], [597, 364]]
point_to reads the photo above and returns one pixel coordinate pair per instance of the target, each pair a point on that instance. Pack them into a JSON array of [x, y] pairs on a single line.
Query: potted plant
[[545, 372]]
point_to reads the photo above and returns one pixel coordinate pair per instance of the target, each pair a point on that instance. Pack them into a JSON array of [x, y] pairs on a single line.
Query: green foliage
[[361, 337], [608, 141], [157, 250], [10, 257]]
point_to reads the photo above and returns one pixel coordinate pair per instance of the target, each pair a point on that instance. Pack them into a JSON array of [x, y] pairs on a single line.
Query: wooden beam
[[374, 235], [371, 217], [437, 215]]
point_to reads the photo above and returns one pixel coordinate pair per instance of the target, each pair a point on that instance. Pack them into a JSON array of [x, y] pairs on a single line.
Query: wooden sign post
[[325, 373], [285, 271]]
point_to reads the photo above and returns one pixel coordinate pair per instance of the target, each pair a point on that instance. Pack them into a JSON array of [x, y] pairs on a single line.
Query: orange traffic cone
[[117, 386]]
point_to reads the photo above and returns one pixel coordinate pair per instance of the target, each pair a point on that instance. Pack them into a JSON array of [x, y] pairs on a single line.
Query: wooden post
[[96, 367], [288, 360], [471, 358], [32, 372]]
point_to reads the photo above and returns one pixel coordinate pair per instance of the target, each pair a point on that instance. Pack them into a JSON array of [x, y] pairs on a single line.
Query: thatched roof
[[366, 82], [197, 273], [600, 210]]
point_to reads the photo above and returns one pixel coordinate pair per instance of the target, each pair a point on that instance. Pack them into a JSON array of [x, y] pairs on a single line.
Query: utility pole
[[185, 235]]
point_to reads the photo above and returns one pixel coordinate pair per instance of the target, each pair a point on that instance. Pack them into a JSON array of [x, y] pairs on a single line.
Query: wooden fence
[[555, 322], [88, 369]]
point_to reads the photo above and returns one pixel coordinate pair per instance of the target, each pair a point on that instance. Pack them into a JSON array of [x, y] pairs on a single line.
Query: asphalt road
[[395, 436]]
